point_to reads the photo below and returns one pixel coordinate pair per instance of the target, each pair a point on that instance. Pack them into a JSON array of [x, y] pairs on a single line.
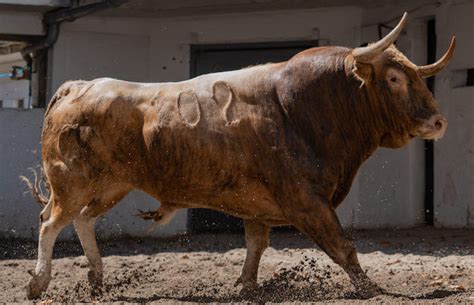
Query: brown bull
[[274, 144]]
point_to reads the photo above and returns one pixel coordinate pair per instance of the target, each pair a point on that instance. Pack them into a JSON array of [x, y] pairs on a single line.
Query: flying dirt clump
[[306, 280]]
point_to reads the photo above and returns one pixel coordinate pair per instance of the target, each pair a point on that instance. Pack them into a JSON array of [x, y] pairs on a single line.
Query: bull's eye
[[393, 79]]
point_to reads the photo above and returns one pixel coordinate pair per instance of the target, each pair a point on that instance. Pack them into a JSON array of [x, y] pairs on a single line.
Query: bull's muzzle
[[434, 128]]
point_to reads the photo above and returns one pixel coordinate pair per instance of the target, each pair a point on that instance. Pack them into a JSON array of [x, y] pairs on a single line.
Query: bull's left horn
[[430, 70], [364, 54]]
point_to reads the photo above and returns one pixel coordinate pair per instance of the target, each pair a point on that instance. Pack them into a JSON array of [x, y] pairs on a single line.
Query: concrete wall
[[19, 149], [21, 23], [454, 155], [162, 50]]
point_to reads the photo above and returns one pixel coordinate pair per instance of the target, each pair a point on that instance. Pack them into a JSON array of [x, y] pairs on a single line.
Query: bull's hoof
[[248, 286], [248, 291], [95, 280], [35, 288], [33, 292], [369, 291]]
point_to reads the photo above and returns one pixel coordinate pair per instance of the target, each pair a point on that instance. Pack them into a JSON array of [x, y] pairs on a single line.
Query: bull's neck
[[367, 118], [332, 113], [360, 125]]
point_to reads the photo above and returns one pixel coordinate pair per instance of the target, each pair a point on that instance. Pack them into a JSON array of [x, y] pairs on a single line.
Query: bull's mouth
[[428, 134]]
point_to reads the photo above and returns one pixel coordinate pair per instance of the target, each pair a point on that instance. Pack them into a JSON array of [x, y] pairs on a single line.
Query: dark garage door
[[216, 58]]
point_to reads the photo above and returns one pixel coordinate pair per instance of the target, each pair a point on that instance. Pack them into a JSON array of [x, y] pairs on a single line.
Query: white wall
[[21, 23], [454, 155], [19, 150], [161, 40]]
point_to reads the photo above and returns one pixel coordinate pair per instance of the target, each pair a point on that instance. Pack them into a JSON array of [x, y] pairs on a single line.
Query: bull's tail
[[35, 186], [161, 216]]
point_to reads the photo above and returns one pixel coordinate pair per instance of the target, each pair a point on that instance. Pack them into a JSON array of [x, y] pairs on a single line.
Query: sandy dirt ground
[[420, 265]]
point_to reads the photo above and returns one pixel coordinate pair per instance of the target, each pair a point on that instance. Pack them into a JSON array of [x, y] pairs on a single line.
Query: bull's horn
[[364, 54], [430, 70]]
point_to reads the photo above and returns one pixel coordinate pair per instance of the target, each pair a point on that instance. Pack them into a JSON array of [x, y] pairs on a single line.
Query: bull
[[274, 144]]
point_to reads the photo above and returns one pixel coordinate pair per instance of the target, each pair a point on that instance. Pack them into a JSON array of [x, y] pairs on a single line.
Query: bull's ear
[[363, 72]]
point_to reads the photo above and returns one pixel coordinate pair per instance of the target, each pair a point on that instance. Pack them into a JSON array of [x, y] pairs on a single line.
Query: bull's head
[[396, 84]]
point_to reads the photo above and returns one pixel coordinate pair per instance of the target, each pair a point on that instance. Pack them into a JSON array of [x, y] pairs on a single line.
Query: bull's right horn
[[365, 54]]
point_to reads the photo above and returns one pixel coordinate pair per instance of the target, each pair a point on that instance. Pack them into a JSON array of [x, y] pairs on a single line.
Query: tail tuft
[[35, 187], [160, 217]]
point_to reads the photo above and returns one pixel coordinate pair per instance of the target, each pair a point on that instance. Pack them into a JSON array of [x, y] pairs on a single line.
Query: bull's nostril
[[439, 124]]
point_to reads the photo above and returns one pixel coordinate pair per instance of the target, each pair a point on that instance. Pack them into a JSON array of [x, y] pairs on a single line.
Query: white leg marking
[[42, 275]]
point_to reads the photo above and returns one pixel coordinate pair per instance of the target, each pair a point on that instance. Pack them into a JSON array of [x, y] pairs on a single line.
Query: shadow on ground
[[420, 241], [275, 294]]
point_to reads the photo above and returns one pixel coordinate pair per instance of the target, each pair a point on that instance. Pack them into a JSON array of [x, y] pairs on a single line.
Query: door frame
[[429, 144]]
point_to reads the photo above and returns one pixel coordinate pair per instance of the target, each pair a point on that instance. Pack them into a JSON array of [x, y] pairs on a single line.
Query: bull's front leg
[[256, 238], [317, 218]]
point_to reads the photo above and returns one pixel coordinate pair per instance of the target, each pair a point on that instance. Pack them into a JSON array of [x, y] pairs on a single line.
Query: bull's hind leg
[[84, 225], [85, 231], [256, 237], [53, 219], [319, 221]]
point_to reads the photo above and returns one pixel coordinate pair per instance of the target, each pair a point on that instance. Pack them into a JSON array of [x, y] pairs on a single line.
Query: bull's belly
[[246, 208], [251, 201]]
